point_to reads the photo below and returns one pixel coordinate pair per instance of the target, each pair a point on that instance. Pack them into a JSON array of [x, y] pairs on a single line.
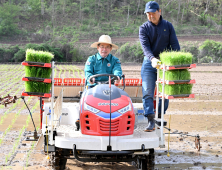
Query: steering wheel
[[114, 77]]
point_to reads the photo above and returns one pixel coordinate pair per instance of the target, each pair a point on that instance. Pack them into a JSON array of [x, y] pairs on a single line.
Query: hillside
[[67, 27], [70, 20]]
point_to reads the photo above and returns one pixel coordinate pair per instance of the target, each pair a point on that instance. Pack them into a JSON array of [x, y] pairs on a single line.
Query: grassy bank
[[208, 51]]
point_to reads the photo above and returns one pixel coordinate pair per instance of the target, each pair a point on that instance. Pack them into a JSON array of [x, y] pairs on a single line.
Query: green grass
[[176, 58]]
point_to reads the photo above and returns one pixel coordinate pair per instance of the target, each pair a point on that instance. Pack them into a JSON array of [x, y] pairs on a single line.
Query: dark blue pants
[[149, 76]]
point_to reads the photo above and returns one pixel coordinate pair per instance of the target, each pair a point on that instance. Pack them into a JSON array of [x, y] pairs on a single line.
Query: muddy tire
[[146, 162], [60, 160], [143, 164], [60, 163], [151, 151]]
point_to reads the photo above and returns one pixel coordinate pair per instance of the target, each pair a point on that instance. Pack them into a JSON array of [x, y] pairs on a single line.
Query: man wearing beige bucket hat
[[102, 62]]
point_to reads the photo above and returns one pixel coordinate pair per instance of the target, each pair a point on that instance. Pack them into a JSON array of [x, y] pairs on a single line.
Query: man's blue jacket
[[96, 65], [158, 38]]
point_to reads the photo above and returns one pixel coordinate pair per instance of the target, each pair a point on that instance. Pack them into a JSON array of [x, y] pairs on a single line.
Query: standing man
[[156, 35], [102, 62]]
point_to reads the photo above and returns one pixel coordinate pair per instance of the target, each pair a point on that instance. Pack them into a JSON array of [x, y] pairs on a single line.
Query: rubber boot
[[151, 123]]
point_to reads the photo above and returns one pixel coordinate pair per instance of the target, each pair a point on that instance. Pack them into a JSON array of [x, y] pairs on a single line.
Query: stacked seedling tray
[[173, 81], [174, 75], [38, 70]]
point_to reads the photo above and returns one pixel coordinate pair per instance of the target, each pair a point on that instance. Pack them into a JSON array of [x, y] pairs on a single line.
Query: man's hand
[[117, 81], [93, 81], [155, 62]]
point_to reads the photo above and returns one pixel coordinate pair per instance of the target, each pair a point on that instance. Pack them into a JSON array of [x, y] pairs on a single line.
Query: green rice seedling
[[176, 58], [12, 86], [28, 155], [28, 87], [40, 87], [28, 71], [69, 69], [186, 88], [60, 71], [170, 89], [45, 72], [184, 74], [176, 89], [15, 117], [38, 56], [79, 72], [169, 58], [55, 72], [40, 72], [170, 75], [6, 159], [187, 58], [73, 72]]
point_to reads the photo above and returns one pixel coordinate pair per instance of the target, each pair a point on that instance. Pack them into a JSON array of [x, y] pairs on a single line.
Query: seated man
[[102, 62]]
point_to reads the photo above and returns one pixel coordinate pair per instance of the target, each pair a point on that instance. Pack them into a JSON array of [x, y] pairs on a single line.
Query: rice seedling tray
[[44, 80], [36, 64], [174, 67], [177, 96], [178, 81], [45, 95]]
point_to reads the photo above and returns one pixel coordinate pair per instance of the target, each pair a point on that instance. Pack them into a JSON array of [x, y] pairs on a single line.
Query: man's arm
[[117, 70], [174, 43], [89, 70], [144, 41]]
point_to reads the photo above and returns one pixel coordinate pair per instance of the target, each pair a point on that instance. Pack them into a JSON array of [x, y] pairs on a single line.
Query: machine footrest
[[158, 122]]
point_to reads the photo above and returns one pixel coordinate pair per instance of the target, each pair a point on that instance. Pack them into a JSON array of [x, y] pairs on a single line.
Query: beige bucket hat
[[104, 39]]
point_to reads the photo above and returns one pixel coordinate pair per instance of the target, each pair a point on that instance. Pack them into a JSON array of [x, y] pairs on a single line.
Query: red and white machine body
[[93, 112]]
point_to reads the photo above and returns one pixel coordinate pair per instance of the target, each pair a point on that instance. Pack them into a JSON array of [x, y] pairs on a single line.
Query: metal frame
[[51, 141], [162, 145]]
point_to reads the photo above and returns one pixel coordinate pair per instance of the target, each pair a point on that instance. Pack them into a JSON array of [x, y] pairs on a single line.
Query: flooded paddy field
[[202, 116]]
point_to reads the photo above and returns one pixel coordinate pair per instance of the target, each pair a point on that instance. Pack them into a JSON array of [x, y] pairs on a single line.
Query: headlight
[[125, 109], [90, 108]]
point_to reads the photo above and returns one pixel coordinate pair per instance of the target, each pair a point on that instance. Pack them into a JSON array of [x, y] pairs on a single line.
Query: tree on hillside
[[8, 18]]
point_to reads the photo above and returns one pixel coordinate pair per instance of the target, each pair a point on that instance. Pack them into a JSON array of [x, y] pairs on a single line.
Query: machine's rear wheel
[[60, 160], [146, 162], [143, 164], [151, 151], [60, 163]]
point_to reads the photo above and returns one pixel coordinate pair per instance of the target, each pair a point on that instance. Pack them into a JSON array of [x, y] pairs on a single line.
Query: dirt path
[[180, 38], [130, 39]]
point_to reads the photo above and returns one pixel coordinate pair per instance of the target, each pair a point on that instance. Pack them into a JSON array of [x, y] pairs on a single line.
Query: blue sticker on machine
[[107, 115]]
